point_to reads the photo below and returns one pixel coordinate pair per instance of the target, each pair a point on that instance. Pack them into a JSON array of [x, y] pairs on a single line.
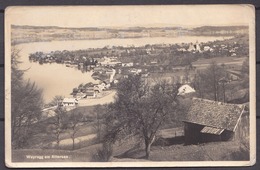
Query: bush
[[240, 155], [103, 154]]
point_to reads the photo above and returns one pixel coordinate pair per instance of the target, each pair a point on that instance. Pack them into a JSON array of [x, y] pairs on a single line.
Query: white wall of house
[[69, 102]]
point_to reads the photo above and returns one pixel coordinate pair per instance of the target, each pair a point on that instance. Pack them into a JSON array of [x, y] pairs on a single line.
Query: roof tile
[[214, 114]]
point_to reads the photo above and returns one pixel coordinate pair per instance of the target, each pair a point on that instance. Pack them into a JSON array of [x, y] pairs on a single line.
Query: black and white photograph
[[130, 86]]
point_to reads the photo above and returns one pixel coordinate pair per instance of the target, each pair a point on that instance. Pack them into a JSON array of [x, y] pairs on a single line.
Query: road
[[104, 100]]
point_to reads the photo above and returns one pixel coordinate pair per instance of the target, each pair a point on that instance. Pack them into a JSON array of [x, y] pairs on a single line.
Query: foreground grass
[[216, 151], [169, 146], [132, 151]]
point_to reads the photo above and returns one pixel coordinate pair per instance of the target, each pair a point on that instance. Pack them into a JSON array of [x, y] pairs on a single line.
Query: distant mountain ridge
[[221, 30], [93, 28], [27, 33]]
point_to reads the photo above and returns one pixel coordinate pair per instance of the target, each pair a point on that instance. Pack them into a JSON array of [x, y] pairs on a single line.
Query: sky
[[131, 16]]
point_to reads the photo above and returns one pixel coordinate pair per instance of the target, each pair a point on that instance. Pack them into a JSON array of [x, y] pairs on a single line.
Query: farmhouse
[[208, 121], [69, 102]]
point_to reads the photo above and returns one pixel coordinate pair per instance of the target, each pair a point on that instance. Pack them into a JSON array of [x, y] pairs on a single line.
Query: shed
[[234, 75], [90, 94], [208, 121]]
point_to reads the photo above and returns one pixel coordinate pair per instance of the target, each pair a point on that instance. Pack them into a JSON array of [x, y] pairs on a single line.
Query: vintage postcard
[[130, 86]]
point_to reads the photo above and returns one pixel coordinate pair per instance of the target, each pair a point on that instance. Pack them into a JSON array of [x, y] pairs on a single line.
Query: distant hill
[[27, 33], [221, 30]]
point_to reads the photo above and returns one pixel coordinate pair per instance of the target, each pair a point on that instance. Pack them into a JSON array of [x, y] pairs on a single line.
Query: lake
[[56, 79]]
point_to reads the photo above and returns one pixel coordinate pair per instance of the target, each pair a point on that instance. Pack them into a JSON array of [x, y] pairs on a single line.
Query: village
[[178, 63]]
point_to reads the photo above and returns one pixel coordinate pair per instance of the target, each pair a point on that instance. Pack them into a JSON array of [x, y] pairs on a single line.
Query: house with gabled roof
[[69, 102], [185, 89], [209, 121]]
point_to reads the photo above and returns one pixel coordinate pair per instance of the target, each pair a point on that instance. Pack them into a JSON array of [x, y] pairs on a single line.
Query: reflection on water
[[56, 79]]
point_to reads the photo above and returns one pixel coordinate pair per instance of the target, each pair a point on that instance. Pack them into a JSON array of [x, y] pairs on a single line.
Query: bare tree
[[141, 109], [56, 100], [100, 111], [197, 83], [27, 102], [187, 74], [210, 80], [75, 120], [58, 124]]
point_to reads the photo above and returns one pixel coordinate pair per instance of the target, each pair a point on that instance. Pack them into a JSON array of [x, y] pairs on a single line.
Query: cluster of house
[[89, 91], [92, 90], [111, 66], [197, 47], [108, 61]]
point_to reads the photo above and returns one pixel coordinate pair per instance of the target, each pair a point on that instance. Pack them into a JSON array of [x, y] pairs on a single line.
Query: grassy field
[[230, 62], [85, 134], [219, 60]]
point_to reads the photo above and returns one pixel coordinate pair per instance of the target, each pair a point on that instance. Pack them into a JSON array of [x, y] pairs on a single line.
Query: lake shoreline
[[56, 79]]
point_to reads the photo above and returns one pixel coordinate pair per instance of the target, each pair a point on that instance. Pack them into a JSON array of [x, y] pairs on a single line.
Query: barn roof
[[214, 114]]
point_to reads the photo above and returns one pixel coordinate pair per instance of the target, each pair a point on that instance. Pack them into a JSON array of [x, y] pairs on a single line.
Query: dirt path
[[68, 142]]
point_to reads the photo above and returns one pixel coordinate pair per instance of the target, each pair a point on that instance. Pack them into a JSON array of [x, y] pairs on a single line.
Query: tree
[[75, 120], [223, 82], [186, 75], [210, 80], [27, 102], [197, 83], [141, 109], [56, 100], [58, 124], [100, 111]]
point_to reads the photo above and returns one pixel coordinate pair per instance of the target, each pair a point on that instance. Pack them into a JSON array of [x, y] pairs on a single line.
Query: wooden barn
[[208, 121]]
